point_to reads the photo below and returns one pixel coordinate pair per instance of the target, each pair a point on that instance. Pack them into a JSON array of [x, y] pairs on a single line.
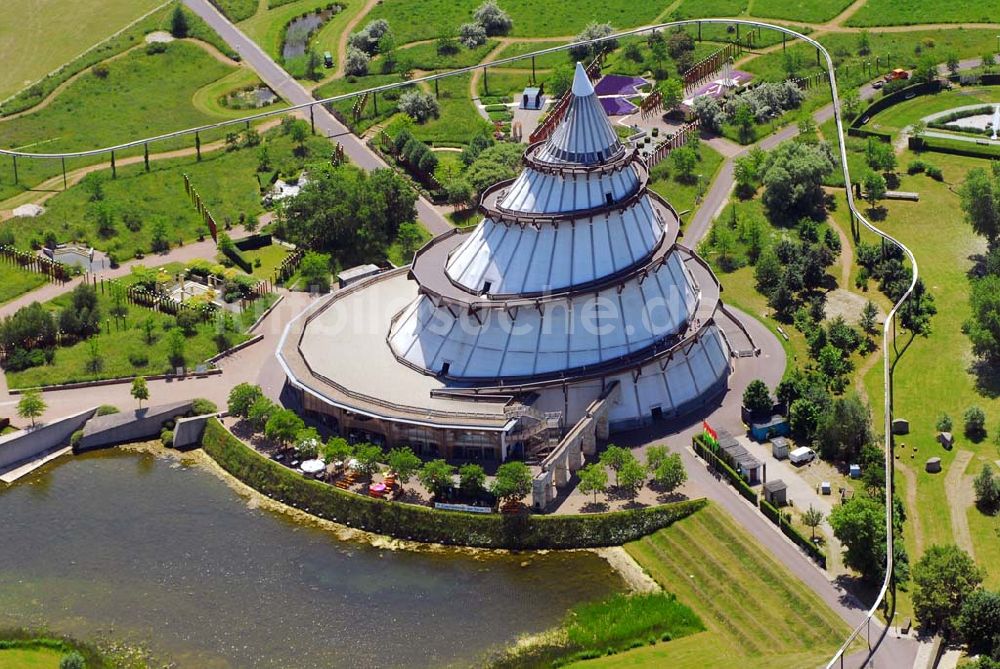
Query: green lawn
[[15, 281], [120, 350], [935, 374], [696, 9], [226, 180], [891, 12], [142, 95], [757, 614], [208, 98], [811, 11], [682, 195], [412, 21], [270, 257], [425, 56], [906, 113], [35, 658], [236, 10], [66, 29]]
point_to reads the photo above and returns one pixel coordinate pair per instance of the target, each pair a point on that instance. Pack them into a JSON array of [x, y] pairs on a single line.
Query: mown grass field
[[757, 614], [15, 281], [121, 348], [936, 374], [696, 9], [35, 658], [891, 13], [907, 113], [66, 30], [412, 21], [266, 25], [811, 11]]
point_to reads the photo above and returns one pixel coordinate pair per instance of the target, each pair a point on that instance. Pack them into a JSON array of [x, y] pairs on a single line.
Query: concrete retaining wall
[[26, 445], [188, 431], [129, 426]]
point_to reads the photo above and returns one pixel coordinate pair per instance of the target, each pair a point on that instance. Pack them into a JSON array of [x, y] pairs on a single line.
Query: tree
[[616, 457], [655, 455], [980, 200], [436, 476], [978, 623], [975, 423], [471, 479], [983, 328], [472, 35], [880, 156], [709, 113], [404, 462], [685, 161], [670, 473], [757, 398], [283, 426], [299, 133], [494, 20], [73, 659], [988, 60], [943, 577], [859, 524], [944, 423], [864, 43], [31, 405], [744, 121], [987, 490], [140, 390], [260, 412], [844, 429], [875, 187], [419, 106], [313, 72], [869, 318], [850, 102], [315, 271], [367, 456], [460, 192], [179, 23], [512, 482], [175, 348], [793, 181], [356, 62], [631, 476], [673, 93], [307, 443], [409, 239], [241, 397], [951, 62], [593, 479], [812, 518], [589, 49]]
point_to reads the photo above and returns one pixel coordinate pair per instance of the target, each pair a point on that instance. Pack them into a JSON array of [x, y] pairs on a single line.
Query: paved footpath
[[288, 88]]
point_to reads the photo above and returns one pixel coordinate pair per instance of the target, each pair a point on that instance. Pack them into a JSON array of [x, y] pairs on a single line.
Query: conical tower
[[572, 273]]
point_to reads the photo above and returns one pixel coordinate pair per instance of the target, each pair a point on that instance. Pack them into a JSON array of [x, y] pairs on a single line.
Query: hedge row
[[865, 134], [237, 257], [709, 455], [902, 95], [417, 523], [774, 515], [955, 147]]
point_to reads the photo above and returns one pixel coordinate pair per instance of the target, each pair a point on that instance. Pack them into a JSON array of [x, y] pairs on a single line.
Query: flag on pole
[[710, 434]]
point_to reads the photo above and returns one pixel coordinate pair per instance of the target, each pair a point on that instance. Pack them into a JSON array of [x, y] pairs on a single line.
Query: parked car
[[802, 455], [897, 74], [327, 59]]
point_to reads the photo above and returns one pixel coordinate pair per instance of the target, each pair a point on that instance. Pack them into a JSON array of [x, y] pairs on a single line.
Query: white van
[[801, 455]]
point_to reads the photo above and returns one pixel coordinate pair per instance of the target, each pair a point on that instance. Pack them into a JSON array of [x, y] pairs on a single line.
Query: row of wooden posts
[[35, 263], [202, 209], [675, 141], [288, 265]]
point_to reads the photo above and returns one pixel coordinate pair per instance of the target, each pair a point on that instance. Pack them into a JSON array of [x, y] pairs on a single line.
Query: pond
[[159, 551], [299, 31]]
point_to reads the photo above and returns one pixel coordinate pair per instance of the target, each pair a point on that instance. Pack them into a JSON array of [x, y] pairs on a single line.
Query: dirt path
[[958, 488], [348, 29], [912, 512], [478, 74], [52, 186], [851, 9]]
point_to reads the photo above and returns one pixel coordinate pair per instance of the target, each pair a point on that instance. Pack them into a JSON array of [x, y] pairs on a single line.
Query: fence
[[288, 265], [707, 453], [676, 140], [706, 67], [774, 515], [200, 206], [34, 263]]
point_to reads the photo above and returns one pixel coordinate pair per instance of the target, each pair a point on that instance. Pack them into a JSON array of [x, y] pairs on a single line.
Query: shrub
[[419, 105], [916, 167], [138, 359], [975, 422], [154, 48], [107, 410], [167, 437], [75, 438], [356, 62], [72, 660], [405, 521], [472, 35], [494, 20], [201, 407], [935, 173]]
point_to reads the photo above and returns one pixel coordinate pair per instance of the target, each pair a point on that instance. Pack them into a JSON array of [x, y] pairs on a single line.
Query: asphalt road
[[292, 91]]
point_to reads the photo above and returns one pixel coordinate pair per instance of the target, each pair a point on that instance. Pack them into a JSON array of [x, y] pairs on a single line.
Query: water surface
[[150, 550]]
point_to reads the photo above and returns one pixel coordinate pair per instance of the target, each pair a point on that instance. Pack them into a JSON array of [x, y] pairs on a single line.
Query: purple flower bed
[[617, 84], [617, 106]]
